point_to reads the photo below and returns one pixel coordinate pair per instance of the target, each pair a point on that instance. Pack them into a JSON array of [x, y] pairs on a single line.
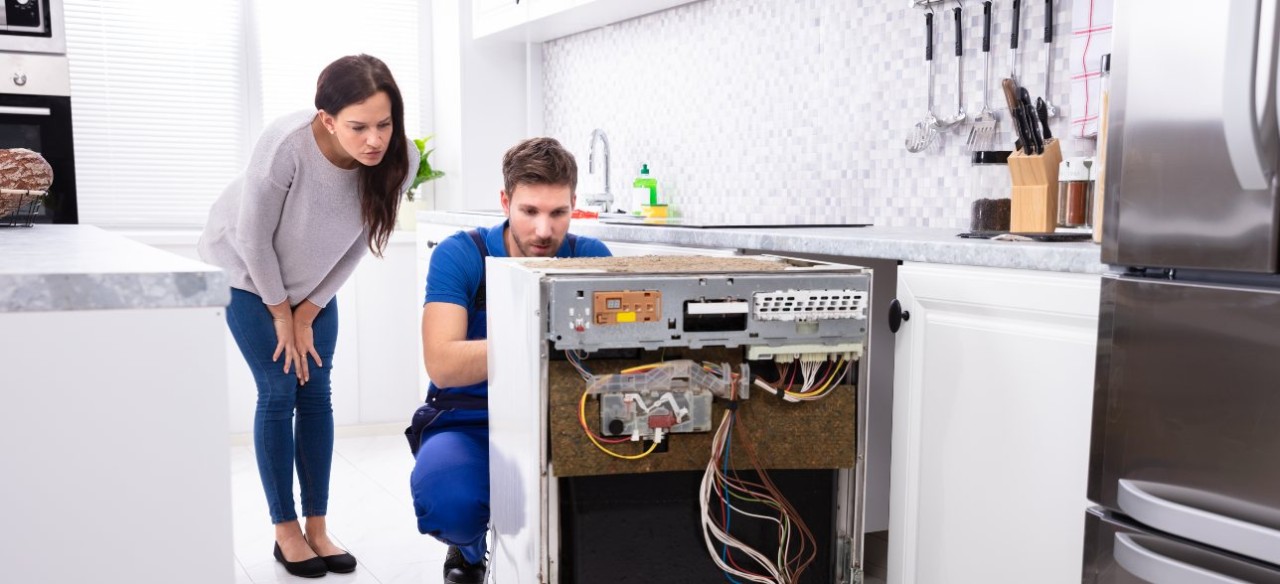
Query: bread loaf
[[22, 169]]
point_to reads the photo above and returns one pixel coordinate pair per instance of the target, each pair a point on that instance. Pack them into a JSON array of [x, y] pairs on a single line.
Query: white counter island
[[114, 459]]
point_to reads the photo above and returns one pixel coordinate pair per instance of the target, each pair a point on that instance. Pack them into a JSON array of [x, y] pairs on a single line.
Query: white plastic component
[[717, 308], [810, 304], [807, 352]]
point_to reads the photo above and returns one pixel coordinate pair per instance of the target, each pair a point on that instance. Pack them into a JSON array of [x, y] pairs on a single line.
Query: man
[[450, 478]]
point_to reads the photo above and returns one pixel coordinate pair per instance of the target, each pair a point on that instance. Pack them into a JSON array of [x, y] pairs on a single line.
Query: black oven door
[[43, 123]]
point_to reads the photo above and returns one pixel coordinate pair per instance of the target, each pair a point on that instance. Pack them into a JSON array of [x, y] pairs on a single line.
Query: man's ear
[[506, 203]]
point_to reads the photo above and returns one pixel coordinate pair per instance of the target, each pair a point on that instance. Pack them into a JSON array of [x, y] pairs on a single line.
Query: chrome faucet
[[603, 200]]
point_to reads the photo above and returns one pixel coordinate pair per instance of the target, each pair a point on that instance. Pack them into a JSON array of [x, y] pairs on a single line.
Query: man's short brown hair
[[539, 161]]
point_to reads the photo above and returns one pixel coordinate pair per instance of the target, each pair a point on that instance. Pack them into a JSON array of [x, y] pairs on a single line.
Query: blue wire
[[724, 549]]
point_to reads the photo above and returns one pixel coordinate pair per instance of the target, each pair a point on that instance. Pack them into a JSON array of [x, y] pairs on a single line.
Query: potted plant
[[407, 218], [425, 172]]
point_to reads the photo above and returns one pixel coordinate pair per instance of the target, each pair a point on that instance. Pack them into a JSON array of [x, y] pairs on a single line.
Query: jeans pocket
[[425, 415]]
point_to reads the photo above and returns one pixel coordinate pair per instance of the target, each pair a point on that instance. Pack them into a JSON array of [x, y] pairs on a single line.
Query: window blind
[[158, 101], [169, 97]]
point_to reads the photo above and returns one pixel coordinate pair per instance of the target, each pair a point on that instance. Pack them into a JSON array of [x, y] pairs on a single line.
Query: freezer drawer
[[1118, 551], [1186, 423]]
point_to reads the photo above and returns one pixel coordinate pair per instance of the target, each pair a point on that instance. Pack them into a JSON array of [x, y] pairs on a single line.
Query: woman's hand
[[304, 339], [282, 319]]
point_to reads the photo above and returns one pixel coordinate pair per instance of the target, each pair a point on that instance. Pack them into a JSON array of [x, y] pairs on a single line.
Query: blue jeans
[[450, 482], [279, 441]]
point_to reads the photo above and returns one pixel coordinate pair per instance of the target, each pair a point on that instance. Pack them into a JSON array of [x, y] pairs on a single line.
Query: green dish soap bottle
[[646, 194]]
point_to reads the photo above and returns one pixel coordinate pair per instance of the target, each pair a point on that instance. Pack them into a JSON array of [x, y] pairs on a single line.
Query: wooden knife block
[[1034, 205]]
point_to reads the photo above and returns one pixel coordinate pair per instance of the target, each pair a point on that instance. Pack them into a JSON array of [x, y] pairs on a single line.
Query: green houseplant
[[425, 172]]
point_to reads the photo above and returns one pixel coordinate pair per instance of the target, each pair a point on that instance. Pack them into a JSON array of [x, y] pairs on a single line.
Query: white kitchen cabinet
[[493, 16], [993, 386], [544, 20], [114, 434]]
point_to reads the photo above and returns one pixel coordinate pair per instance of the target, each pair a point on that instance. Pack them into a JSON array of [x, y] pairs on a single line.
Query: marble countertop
[[914, 244], [80, 267]]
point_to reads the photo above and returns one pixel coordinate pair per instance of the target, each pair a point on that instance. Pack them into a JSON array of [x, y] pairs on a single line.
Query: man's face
[[539, 216]]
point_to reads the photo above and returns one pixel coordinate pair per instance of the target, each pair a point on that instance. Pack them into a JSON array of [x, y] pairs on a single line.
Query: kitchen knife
[[1042, 112], [1029, 112], [1015, 113]]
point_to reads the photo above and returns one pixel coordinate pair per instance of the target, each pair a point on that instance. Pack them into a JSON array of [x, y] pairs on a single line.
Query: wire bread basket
[[19, 207]]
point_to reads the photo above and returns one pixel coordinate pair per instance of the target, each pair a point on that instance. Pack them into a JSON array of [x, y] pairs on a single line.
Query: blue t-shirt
[[457, 268]]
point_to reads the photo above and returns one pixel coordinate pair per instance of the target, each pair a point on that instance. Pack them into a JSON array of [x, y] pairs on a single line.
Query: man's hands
[[294, 337]]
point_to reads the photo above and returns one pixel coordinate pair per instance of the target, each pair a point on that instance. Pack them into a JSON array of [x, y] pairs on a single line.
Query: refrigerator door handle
[[1246, 146], [1153, 567], [1234, 535]]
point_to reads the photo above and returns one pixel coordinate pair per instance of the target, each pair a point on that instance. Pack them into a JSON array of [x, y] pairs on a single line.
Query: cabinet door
[[993, 386]]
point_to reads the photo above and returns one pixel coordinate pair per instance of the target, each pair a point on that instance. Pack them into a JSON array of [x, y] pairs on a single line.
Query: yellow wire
[[582, 412], [820, 389], [642, 368]]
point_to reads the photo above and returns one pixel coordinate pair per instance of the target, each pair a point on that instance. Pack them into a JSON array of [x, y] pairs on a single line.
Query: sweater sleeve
[[266, 184], [336, 277]]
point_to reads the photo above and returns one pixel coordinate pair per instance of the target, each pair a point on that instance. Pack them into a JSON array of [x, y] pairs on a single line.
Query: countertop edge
[[925, 245], [114, 291]]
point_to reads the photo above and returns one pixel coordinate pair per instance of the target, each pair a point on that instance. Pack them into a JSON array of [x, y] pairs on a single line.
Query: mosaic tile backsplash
[[795, 111]]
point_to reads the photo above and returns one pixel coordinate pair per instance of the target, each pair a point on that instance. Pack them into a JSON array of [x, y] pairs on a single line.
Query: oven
[[32, 26], [35, 113]]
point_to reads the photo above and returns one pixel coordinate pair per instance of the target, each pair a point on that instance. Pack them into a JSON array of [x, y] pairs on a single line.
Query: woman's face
[[363, 129]]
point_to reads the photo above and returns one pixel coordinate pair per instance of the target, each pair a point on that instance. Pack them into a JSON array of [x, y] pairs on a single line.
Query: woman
[[320, 190]]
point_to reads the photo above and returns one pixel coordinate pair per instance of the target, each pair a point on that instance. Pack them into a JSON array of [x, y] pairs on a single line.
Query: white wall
[[482, 107], [786, 111]]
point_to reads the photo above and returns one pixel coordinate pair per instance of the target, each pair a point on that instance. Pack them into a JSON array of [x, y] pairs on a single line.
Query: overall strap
[[480, 300]]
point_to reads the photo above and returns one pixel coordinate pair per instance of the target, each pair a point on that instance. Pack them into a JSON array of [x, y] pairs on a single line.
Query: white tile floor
[[370, 514]]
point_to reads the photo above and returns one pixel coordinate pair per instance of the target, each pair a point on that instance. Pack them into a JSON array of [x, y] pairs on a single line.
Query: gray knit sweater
[[290, 226]]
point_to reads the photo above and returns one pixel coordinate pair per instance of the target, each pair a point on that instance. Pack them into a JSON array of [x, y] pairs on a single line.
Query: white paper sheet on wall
[[1090, 40]]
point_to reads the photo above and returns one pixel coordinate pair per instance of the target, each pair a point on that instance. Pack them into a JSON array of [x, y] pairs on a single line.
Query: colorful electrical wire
[[734, 494], [820, 378]]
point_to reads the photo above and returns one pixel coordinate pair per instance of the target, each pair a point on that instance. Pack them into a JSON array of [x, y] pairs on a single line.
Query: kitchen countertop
[[80, 267], [914, 244]]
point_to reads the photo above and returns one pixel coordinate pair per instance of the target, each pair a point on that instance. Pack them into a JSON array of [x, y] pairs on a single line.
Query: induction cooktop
[[697, 224]]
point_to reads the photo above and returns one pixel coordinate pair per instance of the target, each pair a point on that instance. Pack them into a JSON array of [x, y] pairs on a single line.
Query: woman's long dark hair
[[352, 80]]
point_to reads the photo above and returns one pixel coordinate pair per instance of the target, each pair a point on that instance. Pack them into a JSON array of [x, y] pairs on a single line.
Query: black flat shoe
[[343, 563], [457, 570], [308, 568]]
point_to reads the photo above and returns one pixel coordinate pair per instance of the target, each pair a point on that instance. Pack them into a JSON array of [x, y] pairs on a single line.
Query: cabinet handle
[[897, 315], [431, 244]]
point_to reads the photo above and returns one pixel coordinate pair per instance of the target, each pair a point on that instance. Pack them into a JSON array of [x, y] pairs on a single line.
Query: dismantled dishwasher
[[676, 419]]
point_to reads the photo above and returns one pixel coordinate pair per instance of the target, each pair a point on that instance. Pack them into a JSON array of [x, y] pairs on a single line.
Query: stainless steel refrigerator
[[1185, 454]]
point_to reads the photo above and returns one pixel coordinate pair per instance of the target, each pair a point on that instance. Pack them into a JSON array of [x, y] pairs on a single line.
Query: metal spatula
[[925, 131], [982, 135]]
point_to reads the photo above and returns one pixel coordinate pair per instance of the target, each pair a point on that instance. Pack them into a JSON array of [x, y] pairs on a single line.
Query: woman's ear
[[328, 121]]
